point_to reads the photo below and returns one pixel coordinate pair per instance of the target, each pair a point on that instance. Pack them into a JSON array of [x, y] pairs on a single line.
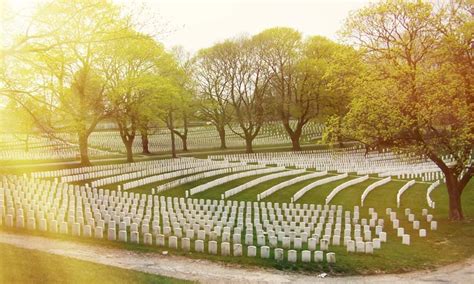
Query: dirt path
[[210, 272]]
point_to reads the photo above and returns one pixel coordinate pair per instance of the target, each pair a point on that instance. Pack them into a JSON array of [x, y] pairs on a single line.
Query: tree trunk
[[295, 140], [184, 139], [295, 135], [221, 131], [455, 206], [173, 146], [171, 128], [248, 145], [128, 147], [84, 149], [145, 142]]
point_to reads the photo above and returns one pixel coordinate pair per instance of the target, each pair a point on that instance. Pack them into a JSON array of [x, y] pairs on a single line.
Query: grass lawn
[[452, 242], [18, 265]]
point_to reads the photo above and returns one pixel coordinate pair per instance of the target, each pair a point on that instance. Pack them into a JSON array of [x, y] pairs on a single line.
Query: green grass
[[18, 265], [452, 241]]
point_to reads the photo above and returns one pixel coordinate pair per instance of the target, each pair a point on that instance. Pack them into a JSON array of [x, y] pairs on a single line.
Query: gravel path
[[209, 272]]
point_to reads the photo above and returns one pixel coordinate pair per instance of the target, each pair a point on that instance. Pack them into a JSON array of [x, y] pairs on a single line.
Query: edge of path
[[210, 272]]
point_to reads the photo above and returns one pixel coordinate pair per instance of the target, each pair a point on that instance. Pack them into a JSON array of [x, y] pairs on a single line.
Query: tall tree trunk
[[84, 149], [128, 148], [454, 193], [248, 145], [171, 128], [221, 131], [295, 135], [184, 139], [145, 142]]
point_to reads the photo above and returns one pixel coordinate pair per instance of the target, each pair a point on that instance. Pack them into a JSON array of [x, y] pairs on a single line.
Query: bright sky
[[196, 24]]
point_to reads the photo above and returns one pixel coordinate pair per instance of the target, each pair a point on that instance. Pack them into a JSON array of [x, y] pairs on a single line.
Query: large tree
[[60, 58], [134, 66], [248, 90], [213, 85], [417, 92], [304, 76]]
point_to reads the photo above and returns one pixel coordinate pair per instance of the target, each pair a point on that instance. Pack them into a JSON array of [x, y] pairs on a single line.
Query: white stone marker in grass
[[324, 244], [111, 234], [292, 256], [98, 233], [148, 239], [306, 256], [383, 236], [350, 246], [279, 254], [225, 249], [199, 246], [434, 225], [87, 231], [406, 239], [186, 244], [286, 242], [297, 243], [248, 239], [160, 240], [237, 249], [416, 225], [201, 235], [360, 246], [377, 243], [331, 257], [53, 226], [400, 232], [212, 247], [76, 229], [429, 218], [265, 252], [260, 240], [273, 241], [318, 256], [367, 235], [43, 225], [395, 224], [422, 233], [369, 247], [173, 242], [236, 238], [311, 244]]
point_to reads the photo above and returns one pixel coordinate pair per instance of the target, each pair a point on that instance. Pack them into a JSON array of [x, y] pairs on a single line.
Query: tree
[[248, 89], [68, 38], [212, 85], [417, 95], [133, 67], [186, 103], [304, 75]]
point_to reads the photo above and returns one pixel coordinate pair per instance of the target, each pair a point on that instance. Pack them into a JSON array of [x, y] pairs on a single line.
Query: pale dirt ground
[[210, 272]]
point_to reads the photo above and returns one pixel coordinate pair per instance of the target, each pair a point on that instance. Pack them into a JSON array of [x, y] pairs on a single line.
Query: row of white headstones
[[90, 212]]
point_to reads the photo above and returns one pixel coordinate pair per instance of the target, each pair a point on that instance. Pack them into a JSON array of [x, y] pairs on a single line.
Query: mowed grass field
[[452, 242], [19, 265]]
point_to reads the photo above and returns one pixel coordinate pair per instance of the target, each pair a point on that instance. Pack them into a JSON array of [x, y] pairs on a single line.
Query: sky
[[196, 24]]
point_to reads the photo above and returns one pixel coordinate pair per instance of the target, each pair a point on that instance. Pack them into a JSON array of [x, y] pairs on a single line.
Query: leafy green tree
[[416, 94], [212, 88], [134, 66], [68, 39], [307, 77]]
